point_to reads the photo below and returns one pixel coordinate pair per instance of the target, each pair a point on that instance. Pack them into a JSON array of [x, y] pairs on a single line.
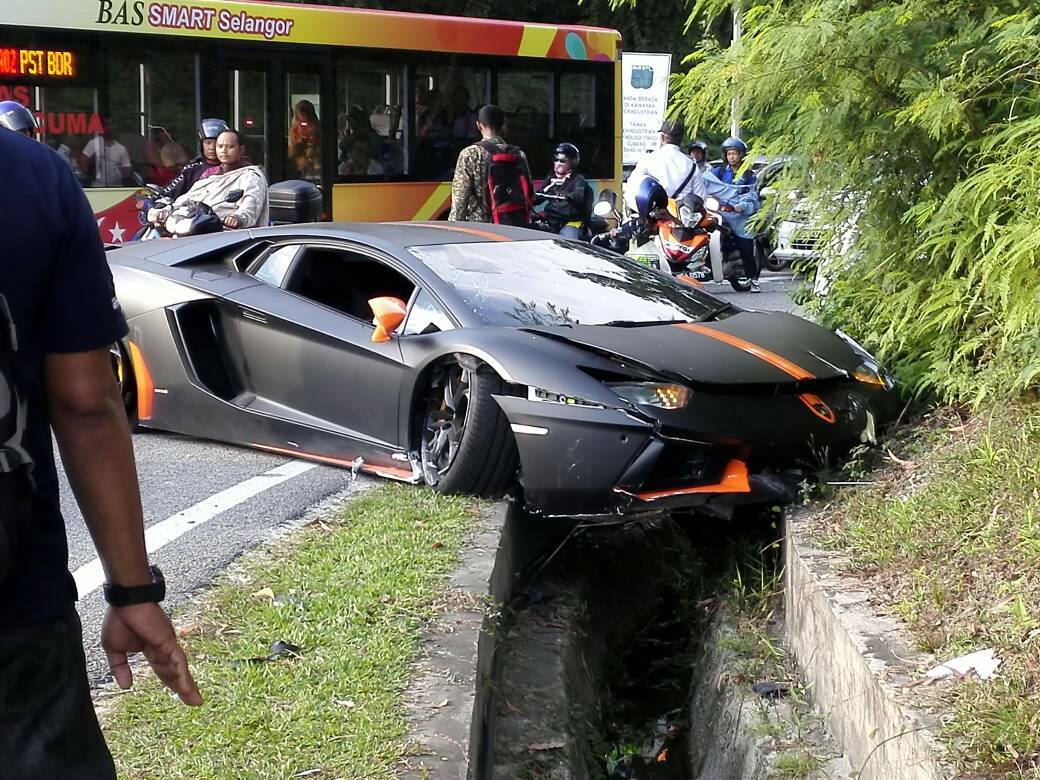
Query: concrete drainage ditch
[[621, 660]]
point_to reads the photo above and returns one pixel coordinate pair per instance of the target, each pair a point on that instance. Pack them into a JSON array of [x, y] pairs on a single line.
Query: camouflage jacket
[[470, 200]]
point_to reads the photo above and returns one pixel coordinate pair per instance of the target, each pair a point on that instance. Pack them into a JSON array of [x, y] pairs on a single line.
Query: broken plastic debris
[[983, 662], [554, 745], [277, 651]]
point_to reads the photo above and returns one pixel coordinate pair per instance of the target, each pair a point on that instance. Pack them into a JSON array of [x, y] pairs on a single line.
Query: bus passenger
[[305, 140]]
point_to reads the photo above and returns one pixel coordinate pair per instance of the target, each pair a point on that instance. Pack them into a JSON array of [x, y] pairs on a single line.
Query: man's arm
[[94, 439]]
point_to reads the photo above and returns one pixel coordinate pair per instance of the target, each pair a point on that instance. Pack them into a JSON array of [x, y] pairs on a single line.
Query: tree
[[924, 115]]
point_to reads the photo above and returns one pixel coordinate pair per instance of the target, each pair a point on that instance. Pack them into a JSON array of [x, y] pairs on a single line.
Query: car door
[[305, 339]]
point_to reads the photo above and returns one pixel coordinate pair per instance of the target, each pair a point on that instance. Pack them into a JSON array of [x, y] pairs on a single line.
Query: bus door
[[284, 109]]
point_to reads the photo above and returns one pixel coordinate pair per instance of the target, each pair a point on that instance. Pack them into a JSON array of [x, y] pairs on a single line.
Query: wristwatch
[[153, 592]]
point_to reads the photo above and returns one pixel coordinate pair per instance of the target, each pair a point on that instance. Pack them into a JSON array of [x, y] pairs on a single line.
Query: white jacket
[[671, 166], [251, 208]]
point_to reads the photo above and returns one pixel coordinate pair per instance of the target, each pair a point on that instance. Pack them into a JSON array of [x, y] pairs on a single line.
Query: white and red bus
[[373, 106]]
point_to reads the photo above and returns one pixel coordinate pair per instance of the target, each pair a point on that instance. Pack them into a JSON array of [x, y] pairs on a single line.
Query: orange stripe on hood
[[773, 359], [471, 231]]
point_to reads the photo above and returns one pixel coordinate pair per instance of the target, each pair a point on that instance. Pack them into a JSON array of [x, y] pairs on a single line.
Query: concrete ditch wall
[[857, 666]]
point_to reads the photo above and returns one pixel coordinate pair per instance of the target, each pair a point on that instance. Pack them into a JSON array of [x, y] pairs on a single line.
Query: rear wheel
[[738, 285], [466, 446], [124, 375]]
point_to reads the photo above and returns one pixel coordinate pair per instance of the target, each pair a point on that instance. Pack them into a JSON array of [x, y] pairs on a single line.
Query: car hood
[[746, 348]]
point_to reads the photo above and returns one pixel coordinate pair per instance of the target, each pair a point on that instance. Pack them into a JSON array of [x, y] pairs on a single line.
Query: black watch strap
[[153, 592]]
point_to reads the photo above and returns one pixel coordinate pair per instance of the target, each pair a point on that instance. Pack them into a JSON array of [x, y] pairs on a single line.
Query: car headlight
[[661, 395], [870, 373]]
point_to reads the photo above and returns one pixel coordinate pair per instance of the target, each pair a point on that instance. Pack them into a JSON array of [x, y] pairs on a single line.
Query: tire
[[737, 285], [466, 444], [773, 264], [124, 375]]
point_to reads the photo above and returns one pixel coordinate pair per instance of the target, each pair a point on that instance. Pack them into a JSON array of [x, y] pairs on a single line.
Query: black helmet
[[734, 143], [698, 145], [570, 151], [211, 128], [15, 116]]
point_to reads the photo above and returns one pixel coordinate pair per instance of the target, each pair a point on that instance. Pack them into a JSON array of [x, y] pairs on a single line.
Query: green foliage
[[923, 115]]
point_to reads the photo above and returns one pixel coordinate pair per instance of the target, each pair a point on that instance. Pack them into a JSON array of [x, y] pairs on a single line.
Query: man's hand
[[145, 628], [233, 222]]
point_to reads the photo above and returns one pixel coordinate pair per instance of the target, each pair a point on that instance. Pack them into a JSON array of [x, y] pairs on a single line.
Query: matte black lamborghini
[[481, 358]]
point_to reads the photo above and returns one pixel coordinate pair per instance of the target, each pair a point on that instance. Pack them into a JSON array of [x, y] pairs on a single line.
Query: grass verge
[[352, 591], [947, 537]]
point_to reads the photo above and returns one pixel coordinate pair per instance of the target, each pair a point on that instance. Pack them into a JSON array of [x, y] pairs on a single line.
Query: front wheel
[[467, 445]]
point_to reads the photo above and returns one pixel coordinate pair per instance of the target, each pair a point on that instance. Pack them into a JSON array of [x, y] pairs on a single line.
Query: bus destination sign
[[41, 63]]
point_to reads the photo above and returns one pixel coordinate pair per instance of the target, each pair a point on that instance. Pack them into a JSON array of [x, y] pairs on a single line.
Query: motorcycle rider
[[209, 129], [565, 217], [14, 116], [698, 152], [733, 183], [672, 167]]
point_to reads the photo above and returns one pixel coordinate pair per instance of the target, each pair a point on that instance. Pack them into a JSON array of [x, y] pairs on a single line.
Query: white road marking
[[90, 576]]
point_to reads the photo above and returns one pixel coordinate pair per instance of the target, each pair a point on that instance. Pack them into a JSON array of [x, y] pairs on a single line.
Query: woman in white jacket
[[214, 186]]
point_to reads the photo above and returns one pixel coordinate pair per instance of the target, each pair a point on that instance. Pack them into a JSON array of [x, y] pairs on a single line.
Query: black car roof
[[391, 237]]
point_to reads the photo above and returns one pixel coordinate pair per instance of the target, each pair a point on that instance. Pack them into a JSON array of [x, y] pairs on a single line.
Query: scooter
[[188, 219], [726, 264], [701, 251]]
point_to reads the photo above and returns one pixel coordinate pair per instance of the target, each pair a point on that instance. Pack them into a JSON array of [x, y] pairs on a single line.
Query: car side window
[[273, 268], [426, 316]]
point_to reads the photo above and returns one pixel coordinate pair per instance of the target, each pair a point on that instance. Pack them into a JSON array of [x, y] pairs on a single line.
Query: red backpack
[[509, 187]]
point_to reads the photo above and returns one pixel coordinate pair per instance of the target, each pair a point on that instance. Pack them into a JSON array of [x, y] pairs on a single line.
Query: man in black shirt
[[55, 279]]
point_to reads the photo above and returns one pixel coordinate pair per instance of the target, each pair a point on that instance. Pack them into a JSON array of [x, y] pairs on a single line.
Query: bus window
[[526, 98], [303, 95], [370, 100], [579, 122], [150, 120], [248, 91], [446, 102], [67, 114]]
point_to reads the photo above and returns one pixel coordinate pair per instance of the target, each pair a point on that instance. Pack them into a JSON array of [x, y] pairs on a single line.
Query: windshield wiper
[[640, 323], [716, 311]]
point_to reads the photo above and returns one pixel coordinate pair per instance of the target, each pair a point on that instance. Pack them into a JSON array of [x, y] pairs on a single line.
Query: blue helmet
[[650, 196], [734, 143], [14, 116]]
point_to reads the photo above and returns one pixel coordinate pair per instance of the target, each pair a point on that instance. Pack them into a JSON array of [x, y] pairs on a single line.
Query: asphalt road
[[233, 508], [218, 500]]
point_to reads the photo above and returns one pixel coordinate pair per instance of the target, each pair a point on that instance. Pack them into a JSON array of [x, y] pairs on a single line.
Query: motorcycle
[[188, 219], [700, 251]]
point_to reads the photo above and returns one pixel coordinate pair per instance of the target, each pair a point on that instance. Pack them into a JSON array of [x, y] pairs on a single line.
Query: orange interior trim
[[471, 231], [734, 480], [785, 365], [817, 406], [346, 463], [144, 384]]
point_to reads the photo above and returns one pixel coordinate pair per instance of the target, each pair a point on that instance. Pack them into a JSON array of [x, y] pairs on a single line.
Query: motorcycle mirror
[[602, 209], [389, 313], [234, 196]]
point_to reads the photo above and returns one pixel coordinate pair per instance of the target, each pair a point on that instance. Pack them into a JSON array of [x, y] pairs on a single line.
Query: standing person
[[63, 317], [491, 161], [209, 129], [565, 210], [698, 152], [107, 157], [305, 141], [672, 167], [733, 183]]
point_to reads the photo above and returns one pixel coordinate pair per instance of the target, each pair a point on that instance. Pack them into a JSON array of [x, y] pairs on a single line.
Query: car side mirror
[[389, 313], [234, 196]]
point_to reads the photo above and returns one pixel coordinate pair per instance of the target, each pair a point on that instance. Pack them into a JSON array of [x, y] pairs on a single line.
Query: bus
[[372, 106]]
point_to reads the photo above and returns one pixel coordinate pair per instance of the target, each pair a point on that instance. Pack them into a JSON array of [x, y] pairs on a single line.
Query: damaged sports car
[[483, 359]]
